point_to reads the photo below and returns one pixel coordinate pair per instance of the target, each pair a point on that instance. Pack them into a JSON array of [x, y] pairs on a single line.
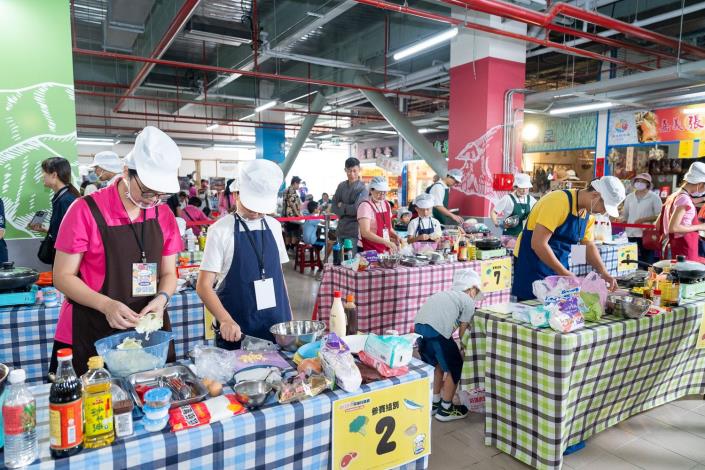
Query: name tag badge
[[385, 234], [144, 279], [264, 293]]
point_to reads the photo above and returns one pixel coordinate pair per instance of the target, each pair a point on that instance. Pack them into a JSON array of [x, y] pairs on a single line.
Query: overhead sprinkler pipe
[[250, 73], [488, 29]]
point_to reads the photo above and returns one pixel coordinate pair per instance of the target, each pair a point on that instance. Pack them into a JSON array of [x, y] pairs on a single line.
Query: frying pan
[[488, 243], [685, 270]]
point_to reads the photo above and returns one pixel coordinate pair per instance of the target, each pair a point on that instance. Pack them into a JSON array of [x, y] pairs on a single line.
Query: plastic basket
[[123, 362]]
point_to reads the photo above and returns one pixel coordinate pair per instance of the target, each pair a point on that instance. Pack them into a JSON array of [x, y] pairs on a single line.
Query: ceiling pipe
[[247, 73], [167, 131], [175, 26], [405, 128], [521, 37], [545, 20], [318, 102]]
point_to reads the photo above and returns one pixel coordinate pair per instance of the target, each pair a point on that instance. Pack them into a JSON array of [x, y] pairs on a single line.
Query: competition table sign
[[27, 333], [546, 391]]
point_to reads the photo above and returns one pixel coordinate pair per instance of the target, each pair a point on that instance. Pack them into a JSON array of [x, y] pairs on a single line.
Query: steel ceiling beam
[[317, 105]]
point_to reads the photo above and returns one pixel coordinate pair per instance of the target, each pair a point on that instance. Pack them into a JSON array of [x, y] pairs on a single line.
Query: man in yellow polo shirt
[[557, 221]]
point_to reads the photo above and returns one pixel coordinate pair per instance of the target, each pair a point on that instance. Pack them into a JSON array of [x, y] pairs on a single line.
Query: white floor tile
[[681, 442], [651, 456], [585, 457], [611, 439], [612, 462]]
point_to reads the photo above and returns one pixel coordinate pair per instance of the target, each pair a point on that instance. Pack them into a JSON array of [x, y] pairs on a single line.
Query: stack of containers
[[156, 408]]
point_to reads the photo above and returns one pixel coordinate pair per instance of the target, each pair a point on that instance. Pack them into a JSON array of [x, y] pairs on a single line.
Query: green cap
[[347, 243]]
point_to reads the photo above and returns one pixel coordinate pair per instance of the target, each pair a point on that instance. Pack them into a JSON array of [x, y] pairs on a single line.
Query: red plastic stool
[[307, 256]]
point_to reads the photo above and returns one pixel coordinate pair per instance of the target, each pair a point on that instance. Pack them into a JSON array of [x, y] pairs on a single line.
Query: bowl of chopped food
[[130, 352]]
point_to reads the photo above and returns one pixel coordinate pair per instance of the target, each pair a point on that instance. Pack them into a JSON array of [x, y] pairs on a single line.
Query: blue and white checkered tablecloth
[[27, 333], [292, 436]]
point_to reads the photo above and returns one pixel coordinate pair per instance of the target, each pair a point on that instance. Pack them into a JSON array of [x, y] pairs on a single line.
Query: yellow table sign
[[496, 274], [208, 324], [382, 429], [626, 252], [685, 149], [700, 344]]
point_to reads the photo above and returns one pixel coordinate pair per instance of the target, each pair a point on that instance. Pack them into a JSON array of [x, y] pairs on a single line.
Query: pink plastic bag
[[383, 369], [593, 283]]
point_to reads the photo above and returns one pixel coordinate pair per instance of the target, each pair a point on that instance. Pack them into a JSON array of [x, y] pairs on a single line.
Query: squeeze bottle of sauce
[[337, 322], [350, 315]]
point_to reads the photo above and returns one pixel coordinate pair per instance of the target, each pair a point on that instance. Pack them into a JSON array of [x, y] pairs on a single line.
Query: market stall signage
[[496, 274], [385, 428], [626, 252], [658, 125], [685, 149]]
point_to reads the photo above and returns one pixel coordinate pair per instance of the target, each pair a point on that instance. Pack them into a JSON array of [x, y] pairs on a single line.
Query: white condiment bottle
[[337, 323]]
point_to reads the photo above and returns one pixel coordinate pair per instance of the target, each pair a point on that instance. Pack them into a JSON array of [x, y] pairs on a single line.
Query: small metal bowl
[[252, 393], [389, 261], [291, 335]]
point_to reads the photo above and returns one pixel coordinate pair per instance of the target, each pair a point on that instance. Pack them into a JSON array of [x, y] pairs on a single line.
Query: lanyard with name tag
[[264, 286], [144, 274]]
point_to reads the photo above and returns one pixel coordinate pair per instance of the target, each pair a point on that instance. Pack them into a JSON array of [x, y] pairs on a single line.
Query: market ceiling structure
[[200, 69]]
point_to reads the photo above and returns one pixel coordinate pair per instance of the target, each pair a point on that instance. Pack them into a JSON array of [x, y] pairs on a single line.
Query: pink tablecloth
[[388, 299]]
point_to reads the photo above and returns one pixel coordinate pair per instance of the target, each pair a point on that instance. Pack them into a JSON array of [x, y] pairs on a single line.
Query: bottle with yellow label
[[97, 405]]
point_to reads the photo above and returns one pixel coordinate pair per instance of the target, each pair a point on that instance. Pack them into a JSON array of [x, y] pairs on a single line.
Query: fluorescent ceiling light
[[380, 131], [95, 141], [426, 44], [233, 146], [581, 108], [426, 131], [261, 108], [212, 126], [300, 97], [694, 111], [246, 138], [248, 116]]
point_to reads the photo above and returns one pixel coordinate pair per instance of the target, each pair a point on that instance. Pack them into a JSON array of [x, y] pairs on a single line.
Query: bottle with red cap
[[337, 323], [65, 409]]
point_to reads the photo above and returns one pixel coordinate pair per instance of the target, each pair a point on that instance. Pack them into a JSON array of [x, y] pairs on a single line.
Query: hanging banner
[[659, 125], [385, 428]]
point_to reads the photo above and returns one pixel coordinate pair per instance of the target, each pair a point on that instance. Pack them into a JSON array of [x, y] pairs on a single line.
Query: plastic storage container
[[123, 362]]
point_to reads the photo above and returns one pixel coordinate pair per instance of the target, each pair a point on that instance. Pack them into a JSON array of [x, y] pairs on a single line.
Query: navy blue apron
[[425, 231], [529, 268], [237, 291]]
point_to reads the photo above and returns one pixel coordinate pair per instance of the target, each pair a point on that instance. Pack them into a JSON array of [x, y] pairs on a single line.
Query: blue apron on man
[[529, 267], [256, 258]]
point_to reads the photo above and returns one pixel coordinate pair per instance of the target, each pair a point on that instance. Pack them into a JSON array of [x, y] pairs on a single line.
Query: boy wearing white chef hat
[[243, 257], [424, 228], [107, 166], [436, 321]]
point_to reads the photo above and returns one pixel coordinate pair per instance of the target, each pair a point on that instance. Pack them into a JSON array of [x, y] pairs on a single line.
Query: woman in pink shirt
[[227, 201], [374, 216], [116, 251], [680, 217], [192, 213]]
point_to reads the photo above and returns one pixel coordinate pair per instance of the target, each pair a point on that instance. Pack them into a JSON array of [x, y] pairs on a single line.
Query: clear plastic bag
[[555, 287], [213, 363], [251, 343]]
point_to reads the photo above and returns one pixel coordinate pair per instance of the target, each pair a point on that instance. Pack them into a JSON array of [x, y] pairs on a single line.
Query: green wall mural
[[37, 112], [555, 133]]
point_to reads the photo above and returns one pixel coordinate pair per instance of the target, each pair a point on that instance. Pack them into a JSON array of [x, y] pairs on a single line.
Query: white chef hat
[[424, 201], [696, 173], [379, 183], [465, 279], [108, 160], [522, 181], [259, 183], [613, 193], [157, 159], [456, 174], [235, 185]]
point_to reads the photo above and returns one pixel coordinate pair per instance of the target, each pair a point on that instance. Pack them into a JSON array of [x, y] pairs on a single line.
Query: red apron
[[383, 221], [687, 246]]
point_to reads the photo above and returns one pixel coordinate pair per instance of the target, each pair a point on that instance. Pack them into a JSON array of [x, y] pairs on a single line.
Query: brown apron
[[121, 250]]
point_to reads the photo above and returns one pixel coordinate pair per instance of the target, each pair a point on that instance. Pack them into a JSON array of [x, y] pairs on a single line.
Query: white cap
[[696, 173], [424, 201], [17, 376], [613, 193], [522, 181], [379, 183], [235, 185], [571, 175], [465, 279], [109, 161], [456, 174], [157, 159], [260, 181]]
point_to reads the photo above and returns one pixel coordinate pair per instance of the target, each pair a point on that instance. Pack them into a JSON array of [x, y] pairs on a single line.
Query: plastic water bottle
[[19, 413], [337, 254]]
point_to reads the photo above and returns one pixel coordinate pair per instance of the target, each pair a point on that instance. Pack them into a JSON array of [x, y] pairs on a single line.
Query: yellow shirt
[[551, 211]]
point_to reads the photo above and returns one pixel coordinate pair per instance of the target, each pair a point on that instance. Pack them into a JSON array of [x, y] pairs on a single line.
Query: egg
[[207, 382], [215, 389]]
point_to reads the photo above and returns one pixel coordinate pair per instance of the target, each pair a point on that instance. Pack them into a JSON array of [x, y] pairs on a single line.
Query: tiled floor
[[670, 437]]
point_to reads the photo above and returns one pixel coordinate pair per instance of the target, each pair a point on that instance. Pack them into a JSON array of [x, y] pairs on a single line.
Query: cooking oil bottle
[[97, 405]]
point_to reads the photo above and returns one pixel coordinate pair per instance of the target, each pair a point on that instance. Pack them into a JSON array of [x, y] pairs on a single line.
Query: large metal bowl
[[291, 335], [252, 393], [627, 306], [389, 261]]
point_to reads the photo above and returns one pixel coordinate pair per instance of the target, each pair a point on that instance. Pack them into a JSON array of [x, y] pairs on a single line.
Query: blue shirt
[[2, 214], [310, 230]]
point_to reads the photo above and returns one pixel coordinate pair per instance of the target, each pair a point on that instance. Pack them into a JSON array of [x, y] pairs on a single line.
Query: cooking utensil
[[488, 243], [12, 278], [389, 261], [291, 335], [685, 270], [627, 305], [511, 221], [252, 393], [154, 378]]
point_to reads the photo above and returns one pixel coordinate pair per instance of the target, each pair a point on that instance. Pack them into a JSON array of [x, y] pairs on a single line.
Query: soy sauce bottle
[[65, 409]]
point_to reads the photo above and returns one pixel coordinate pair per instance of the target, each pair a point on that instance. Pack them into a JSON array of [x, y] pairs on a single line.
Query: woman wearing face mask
[[375, 218], [57, 177], [680, 218], [116, 251], [641, 207], [517, 204], [243, 259], [558, 221]]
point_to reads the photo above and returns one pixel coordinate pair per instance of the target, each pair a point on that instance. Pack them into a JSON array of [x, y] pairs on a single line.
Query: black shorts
[[437, 350], [292, 229]]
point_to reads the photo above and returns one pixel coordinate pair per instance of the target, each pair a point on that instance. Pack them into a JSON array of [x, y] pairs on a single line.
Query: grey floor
[[670, 437]]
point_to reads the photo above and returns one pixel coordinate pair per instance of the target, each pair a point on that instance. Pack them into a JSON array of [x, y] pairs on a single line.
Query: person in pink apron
[[374, 215], [680, 217]]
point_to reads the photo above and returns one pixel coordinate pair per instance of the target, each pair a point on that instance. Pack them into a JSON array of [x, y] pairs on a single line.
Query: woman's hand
[[38, 228], [230, 331], [156, 305], [425, 237], [119, 315], [611, 281], [391, 245]]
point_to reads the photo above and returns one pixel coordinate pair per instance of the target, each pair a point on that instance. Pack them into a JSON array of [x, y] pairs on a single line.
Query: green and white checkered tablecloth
[[546, 391]]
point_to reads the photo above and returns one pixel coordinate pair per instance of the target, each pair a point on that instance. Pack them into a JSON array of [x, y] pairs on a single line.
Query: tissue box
[[395, 351]]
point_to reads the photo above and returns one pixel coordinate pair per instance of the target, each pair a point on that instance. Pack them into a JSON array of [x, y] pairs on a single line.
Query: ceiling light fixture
[[426, 44], [261, 108], [581, 108], [95, 141], [247, 117], [212, 126], [301, 97], [426, 131]]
